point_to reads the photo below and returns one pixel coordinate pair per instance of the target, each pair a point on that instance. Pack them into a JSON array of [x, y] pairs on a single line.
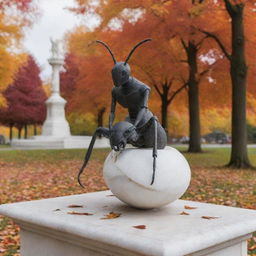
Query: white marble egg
[[128, 175]]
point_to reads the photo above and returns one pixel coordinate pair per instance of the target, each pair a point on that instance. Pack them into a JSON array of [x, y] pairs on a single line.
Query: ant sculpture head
[[121, 71], [120, 134]]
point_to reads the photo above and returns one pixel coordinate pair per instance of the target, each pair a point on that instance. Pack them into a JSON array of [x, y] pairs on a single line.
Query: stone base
[[56, 124], [46, 231], [51, 142]]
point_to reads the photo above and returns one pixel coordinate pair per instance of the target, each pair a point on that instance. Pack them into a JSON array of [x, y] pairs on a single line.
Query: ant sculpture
[[141, 128]]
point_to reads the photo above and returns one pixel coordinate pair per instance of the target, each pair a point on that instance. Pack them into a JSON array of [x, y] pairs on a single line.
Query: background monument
[[56, 123], [56, 131]]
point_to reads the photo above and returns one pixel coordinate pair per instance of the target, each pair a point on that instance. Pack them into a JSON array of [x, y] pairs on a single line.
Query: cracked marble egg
[[128, 175]]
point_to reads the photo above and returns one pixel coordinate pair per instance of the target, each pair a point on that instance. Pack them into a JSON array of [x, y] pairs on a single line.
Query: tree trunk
[[100, 117], [10, 133], [19, 132], [25, 131], [238, 71], [193, 101], [35, 130], [164, 109]]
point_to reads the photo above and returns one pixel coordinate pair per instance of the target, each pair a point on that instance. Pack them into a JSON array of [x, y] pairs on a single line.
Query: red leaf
[[209, 217], [75, 206], [140, 227]]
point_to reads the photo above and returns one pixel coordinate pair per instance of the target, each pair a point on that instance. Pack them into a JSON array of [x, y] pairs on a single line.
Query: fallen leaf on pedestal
[[75, 206], [189, 207], [80, 213], [56, 210], [140, 227], [111, 215], [209, 217], [110, 195], [252, 248], [184, 213]]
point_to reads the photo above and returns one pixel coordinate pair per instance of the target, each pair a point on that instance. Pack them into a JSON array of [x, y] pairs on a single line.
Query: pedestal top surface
[[167, 231]]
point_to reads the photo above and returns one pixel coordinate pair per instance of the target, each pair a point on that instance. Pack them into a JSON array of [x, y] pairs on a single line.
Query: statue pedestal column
[[56, 124], [48, 227]]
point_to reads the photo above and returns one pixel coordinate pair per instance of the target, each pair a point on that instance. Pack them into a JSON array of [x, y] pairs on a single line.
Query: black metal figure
[[141, 128]]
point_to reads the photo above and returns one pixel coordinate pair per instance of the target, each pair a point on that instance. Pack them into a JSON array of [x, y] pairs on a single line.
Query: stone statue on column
[[56, 124]]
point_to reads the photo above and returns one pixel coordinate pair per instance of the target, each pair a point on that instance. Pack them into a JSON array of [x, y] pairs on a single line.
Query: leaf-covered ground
[[28, 175]]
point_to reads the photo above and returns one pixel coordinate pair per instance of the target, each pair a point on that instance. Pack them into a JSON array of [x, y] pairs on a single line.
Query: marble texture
[[45, 231], [128, 175]]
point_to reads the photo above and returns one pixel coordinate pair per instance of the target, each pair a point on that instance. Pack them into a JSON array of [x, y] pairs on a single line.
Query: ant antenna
[[111, 53], [135, 47]]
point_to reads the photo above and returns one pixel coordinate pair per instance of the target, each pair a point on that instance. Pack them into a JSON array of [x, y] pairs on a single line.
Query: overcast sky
[[54, 22]]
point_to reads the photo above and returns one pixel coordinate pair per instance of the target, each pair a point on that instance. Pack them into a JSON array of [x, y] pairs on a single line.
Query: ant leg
[[99, 131], [154, 149]]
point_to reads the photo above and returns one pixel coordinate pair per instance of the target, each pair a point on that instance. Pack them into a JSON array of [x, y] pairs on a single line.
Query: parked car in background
[[217, 137], [2, 139], [184, 140]]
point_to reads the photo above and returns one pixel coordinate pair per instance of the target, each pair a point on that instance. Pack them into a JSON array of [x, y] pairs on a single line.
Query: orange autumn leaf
[[184, 213], [140, 227], [80, 213], [111, 215], [189, 207], [75, 206], [252, 248]]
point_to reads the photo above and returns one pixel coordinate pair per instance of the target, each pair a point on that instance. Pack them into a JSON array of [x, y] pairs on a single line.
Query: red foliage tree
[[69, 78], [25, 98]]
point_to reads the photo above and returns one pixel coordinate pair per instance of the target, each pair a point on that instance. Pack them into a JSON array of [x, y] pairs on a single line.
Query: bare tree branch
[[151, 78], [169, 83], [184, 44], [230, 7], [201, 41], [218, 41], [157, 89], [176, 92]]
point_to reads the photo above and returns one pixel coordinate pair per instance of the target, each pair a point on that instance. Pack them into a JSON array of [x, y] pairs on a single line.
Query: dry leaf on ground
[[209, 217], [80, 213], [111, 215], [252, 248], [140, 227], [75, 206], [187, 207], [184, 213]]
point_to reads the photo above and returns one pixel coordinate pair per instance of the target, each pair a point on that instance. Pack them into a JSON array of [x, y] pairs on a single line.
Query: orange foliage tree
[[14, 16], [241, 15], [174, 25], [192, 24], [92, 81]]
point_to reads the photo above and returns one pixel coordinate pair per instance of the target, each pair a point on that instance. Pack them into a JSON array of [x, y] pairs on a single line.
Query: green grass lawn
[[36, 174], [211, 157]]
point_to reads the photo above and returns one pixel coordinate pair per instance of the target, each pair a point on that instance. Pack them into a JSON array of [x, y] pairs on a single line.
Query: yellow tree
[[14, 16]]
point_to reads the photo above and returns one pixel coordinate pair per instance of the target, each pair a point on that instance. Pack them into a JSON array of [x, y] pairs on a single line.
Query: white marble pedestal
[[51, 142], [46, 231]]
